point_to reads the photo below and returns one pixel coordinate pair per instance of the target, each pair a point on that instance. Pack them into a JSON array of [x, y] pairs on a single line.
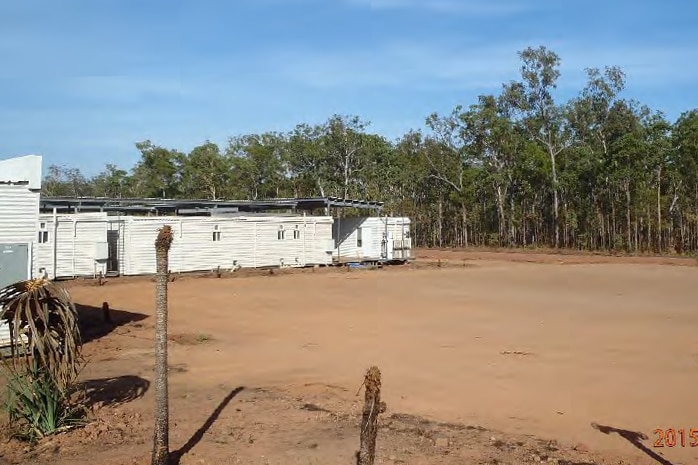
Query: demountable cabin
[[372, 239], [73, 245], [206, 243], [20, 186], [211, 234]]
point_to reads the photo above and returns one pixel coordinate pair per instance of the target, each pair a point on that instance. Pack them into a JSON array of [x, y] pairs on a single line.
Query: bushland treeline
[[517, 168]]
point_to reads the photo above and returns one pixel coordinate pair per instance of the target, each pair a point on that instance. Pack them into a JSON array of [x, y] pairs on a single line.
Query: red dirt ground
[[485, 360]]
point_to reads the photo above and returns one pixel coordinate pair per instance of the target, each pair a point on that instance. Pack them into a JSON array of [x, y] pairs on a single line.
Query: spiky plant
[[161, 437], [45, 355]]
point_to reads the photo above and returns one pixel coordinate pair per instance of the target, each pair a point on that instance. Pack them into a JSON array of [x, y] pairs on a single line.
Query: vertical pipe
[[385, 237], [75, 233], [339, 226], [305, 226], [54, 251]]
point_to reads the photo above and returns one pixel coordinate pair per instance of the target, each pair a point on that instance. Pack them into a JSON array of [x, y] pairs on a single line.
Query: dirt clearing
[[497, 362]]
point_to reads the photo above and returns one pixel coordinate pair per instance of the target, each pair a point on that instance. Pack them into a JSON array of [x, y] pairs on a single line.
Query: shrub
[[45, 357]]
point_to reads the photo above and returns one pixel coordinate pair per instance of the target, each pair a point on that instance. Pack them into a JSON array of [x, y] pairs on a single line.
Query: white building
[[224, 238], [206, 243], [372, 239], [72, 245], [20, 186], [89, 244]]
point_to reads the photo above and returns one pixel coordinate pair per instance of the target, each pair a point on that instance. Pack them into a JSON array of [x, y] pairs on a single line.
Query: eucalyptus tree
[[159, 171], [543, 118], [205, 172]]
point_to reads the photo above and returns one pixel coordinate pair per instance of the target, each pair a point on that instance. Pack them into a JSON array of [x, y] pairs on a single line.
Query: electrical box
[[101, 251]]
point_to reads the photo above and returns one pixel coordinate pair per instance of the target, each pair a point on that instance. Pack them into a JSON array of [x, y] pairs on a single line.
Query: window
[[358, 238], [216, 234], [296, 233], [43, 234], [281, 234]]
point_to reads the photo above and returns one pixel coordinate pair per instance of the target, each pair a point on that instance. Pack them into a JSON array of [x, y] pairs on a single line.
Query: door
[[390, 247], [113, 251], [366, 242], [14, 264]]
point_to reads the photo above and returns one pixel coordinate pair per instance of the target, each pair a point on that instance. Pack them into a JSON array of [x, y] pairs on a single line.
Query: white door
[[390, 246], [366, 242]]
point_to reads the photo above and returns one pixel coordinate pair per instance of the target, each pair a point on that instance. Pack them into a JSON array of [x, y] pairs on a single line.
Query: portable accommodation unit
[[72, 245], [206, 243], [374, 238], [20, 186]]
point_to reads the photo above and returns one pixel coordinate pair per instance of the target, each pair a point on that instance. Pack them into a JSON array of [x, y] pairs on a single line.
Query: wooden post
[[369, 421]]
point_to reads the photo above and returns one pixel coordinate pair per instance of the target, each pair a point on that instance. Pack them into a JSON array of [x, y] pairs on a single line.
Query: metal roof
[[189, 206]]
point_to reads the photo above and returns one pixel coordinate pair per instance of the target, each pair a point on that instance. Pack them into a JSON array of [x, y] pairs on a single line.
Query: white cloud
[[403, 65], [466, 66], [125, 88], [472, 7]]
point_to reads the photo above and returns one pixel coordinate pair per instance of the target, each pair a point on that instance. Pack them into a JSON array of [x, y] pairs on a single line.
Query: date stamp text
[[680, 437]]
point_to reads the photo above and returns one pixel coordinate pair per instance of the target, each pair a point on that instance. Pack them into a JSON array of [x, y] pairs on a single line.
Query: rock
[[441, 442], [581, 448]]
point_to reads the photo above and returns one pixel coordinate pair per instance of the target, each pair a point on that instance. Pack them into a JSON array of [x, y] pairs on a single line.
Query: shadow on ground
[[114, 391], [176, 456], [633, 437], [94, 325]]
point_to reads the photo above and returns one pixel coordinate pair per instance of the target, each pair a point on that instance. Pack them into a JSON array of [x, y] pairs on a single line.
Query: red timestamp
[[671, 437]]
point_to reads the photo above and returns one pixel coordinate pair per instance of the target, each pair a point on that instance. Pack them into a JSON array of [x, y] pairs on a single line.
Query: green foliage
[[45, 356], [36, 404], [518, 168]]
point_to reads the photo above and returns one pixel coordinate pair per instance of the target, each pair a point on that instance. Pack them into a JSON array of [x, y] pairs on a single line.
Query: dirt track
[[524, 348]]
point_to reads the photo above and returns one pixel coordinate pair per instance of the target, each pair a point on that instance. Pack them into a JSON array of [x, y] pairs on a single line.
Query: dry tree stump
[[106, 313], [369, 420]]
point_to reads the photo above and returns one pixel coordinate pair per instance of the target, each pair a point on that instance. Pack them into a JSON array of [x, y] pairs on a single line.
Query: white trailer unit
[[206, 243], [368, 239], [20, 186], [72, 245]]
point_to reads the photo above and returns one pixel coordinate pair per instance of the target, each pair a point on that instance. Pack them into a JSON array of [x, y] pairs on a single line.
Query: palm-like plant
[[45, 348]]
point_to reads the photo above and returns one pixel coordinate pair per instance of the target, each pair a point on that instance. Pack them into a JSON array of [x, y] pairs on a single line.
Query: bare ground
[[485, 360]]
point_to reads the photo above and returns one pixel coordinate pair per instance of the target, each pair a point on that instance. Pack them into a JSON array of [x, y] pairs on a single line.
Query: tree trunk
[[161, 438], [440, 223], [628, 223], [464, 217], [369, 421], [659, 210], [501, 217], [556, 200]]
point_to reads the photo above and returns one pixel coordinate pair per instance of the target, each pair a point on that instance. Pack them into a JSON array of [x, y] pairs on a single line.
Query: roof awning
[[84, 204]]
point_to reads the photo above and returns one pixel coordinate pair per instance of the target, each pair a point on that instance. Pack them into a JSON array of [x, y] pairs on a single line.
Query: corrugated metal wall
[[19, 214], [347, 230], [204, 243], [75, 237]]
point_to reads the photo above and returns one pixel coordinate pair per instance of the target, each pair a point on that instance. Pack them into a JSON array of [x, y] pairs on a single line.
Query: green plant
[[202, 338], [45, 357], [36, 405]]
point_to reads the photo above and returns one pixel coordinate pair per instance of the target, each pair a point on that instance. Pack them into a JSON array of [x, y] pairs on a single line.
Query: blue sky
[[83, 80]]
